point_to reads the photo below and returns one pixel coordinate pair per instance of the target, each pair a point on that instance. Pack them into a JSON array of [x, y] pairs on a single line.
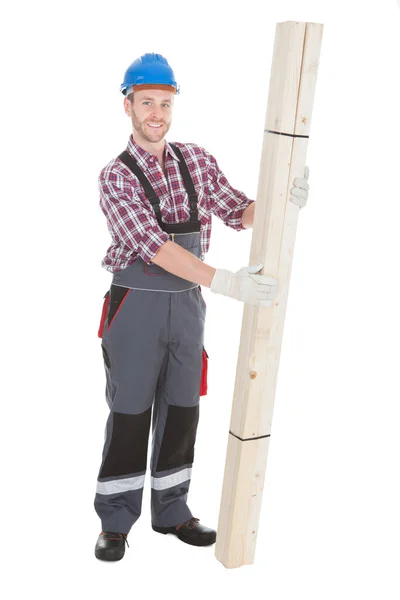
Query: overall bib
[[152, 331]]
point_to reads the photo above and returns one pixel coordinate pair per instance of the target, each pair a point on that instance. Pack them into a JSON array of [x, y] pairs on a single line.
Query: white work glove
[[245, 286], [299, 193]]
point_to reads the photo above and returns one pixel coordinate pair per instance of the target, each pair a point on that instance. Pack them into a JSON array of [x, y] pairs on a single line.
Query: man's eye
[[148, 102]]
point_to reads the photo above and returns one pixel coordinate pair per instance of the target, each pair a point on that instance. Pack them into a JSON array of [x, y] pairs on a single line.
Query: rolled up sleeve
[[227, 203], [129, 220]]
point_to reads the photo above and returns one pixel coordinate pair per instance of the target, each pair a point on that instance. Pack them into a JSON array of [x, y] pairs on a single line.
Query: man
[[158, 199]]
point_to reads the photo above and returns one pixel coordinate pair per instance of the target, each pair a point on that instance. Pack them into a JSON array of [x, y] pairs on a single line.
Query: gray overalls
[[152, 331]]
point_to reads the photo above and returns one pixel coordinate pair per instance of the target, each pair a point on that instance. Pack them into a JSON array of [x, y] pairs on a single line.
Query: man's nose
[[157, 113]]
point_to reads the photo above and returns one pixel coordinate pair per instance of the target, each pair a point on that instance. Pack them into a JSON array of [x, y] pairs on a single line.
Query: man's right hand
[[245, 286]]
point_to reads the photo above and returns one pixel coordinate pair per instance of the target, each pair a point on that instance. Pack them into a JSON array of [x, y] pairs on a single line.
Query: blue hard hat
[[150, 69]]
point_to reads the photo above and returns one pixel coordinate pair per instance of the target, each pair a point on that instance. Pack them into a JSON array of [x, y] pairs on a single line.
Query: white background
[[329, 525]]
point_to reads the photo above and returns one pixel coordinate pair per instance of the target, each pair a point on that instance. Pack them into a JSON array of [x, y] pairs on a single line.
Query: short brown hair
[[130, 97]]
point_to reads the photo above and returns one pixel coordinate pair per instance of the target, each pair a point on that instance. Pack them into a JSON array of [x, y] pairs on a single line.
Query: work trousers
[[153, 352]]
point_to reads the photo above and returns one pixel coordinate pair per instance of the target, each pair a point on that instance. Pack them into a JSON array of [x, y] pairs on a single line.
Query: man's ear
[[127, 107]]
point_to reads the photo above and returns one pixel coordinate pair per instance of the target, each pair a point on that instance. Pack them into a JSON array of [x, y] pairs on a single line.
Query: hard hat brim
[[156, 86]]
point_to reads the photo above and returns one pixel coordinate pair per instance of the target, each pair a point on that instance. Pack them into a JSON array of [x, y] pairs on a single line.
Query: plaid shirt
[[131, 220]]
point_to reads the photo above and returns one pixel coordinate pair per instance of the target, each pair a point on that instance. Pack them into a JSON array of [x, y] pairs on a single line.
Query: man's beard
[[141, 129]]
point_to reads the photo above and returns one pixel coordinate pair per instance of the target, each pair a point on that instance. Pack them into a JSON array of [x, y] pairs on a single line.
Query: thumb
[[254, 268]]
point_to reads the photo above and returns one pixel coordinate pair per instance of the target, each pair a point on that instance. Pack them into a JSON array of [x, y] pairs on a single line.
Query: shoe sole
[[174, 532]]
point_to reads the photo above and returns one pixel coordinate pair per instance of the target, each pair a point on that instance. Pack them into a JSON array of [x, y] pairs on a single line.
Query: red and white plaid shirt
[[131, 220]]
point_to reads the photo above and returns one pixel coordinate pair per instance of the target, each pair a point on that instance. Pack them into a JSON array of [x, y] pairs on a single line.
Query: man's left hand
[[299, 193]]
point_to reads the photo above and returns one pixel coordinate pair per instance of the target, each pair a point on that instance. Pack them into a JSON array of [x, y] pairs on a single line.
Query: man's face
[[151, 113]]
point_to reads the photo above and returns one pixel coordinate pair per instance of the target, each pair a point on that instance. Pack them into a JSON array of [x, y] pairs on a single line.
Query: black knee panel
[[128, 448], [177, 447]]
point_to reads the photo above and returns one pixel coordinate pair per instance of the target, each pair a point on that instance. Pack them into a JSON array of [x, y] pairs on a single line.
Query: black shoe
[[191, 532], [110, 545]]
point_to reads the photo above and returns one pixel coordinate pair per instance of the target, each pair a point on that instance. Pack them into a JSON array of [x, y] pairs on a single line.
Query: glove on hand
[[245, 286], [299, 193]]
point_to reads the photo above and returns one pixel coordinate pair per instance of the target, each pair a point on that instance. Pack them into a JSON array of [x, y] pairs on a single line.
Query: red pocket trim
[[204, 370], [104, 314]]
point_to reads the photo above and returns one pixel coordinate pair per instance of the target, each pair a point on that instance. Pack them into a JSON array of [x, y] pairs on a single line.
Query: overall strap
[[151, 196], [188, 181], [188, 226]]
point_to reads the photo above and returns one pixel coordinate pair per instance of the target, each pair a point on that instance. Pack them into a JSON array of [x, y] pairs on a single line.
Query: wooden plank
[[291, 95]]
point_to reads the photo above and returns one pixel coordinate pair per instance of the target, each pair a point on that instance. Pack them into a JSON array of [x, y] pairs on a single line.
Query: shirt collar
[[142, 155]]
